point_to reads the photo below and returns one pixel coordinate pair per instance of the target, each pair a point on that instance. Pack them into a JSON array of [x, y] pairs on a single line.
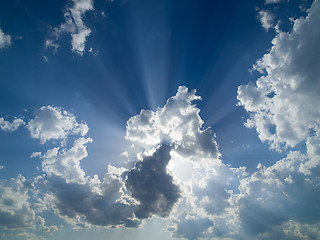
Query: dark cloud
[[151, 184], [103, 208]]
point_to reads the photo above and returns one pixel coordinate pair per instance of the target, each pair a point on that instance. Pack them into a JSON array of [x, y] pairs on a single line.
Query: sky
[[187, 119]]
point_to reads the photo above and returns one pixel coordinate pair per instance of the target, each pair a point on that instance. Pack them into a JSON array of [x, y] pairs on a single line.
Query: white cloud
[[5, 39], [66, 163], [15, 211], [50, 43], [178, 123], [266, 19], [282, 102], [54, 123], [204, 181], [272, 1], [74, 25], [10, 126], [29, 236], [36, 154], [279, 202]]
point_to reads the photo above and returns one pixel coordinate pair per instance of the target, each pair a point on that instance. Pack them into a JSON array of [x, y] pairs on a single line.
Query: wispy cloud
[[74, 25], [272, 1], [5, 39], [266, 19]]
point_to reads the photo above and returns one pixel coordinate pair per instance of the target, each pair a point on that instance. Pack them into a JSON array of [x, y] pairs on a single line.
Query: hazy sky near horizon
[[159, 119]]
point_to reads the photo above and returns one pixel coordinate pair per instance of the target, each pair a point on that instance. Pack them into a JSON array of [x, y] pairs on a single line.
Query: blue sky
[[159, 119]]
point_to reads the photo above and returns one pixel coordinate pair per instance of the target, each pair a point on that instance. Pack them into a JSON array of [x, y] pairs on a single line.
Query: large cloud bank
[[282, 103], [177, 171]]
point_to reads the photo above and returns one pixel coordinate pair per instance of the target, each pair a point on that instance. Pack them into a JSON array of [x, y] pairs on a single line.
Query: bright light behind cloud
[[174, 171]]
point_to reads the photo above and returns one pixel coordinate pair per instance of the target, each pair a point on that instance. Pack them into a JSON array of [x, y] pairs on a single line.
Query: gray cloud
[[150, 183], [279, 194], [15, 209], [192, 228], [101, 208]]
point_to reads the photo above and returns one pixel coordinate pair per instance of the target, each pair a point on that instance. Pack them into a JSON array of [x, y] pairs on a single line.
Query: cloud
[[50, 43], [125, 196], [266, 19], [192, 228], [177, 172], [151, 184], [194, 162], [29, 236], [280, 102], [94, 202], [278, 195], [54, 123], [10, 127], [66, 163], [178, 123], [74, 25], [5, 39], [15, 209], [279, 202], [272, 1], [81, 200]]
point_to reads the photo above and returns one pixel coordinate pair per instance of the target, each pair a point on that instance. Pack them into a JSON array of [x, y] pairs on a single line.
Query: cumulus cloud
[[151, 184], [278, 195], [280, 103], [93, 202], [74, 25], [54, 123], [279, 202], [66, 163], [177, 172], [5, 39], [15, 209], [178, 123], [10, 126], [266, 19], [204, 181]]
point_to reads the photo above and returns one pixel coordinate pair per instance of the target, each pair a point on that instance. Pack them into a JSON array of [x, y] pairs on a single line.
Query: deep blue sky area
[[144, 51], [133, 56]]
